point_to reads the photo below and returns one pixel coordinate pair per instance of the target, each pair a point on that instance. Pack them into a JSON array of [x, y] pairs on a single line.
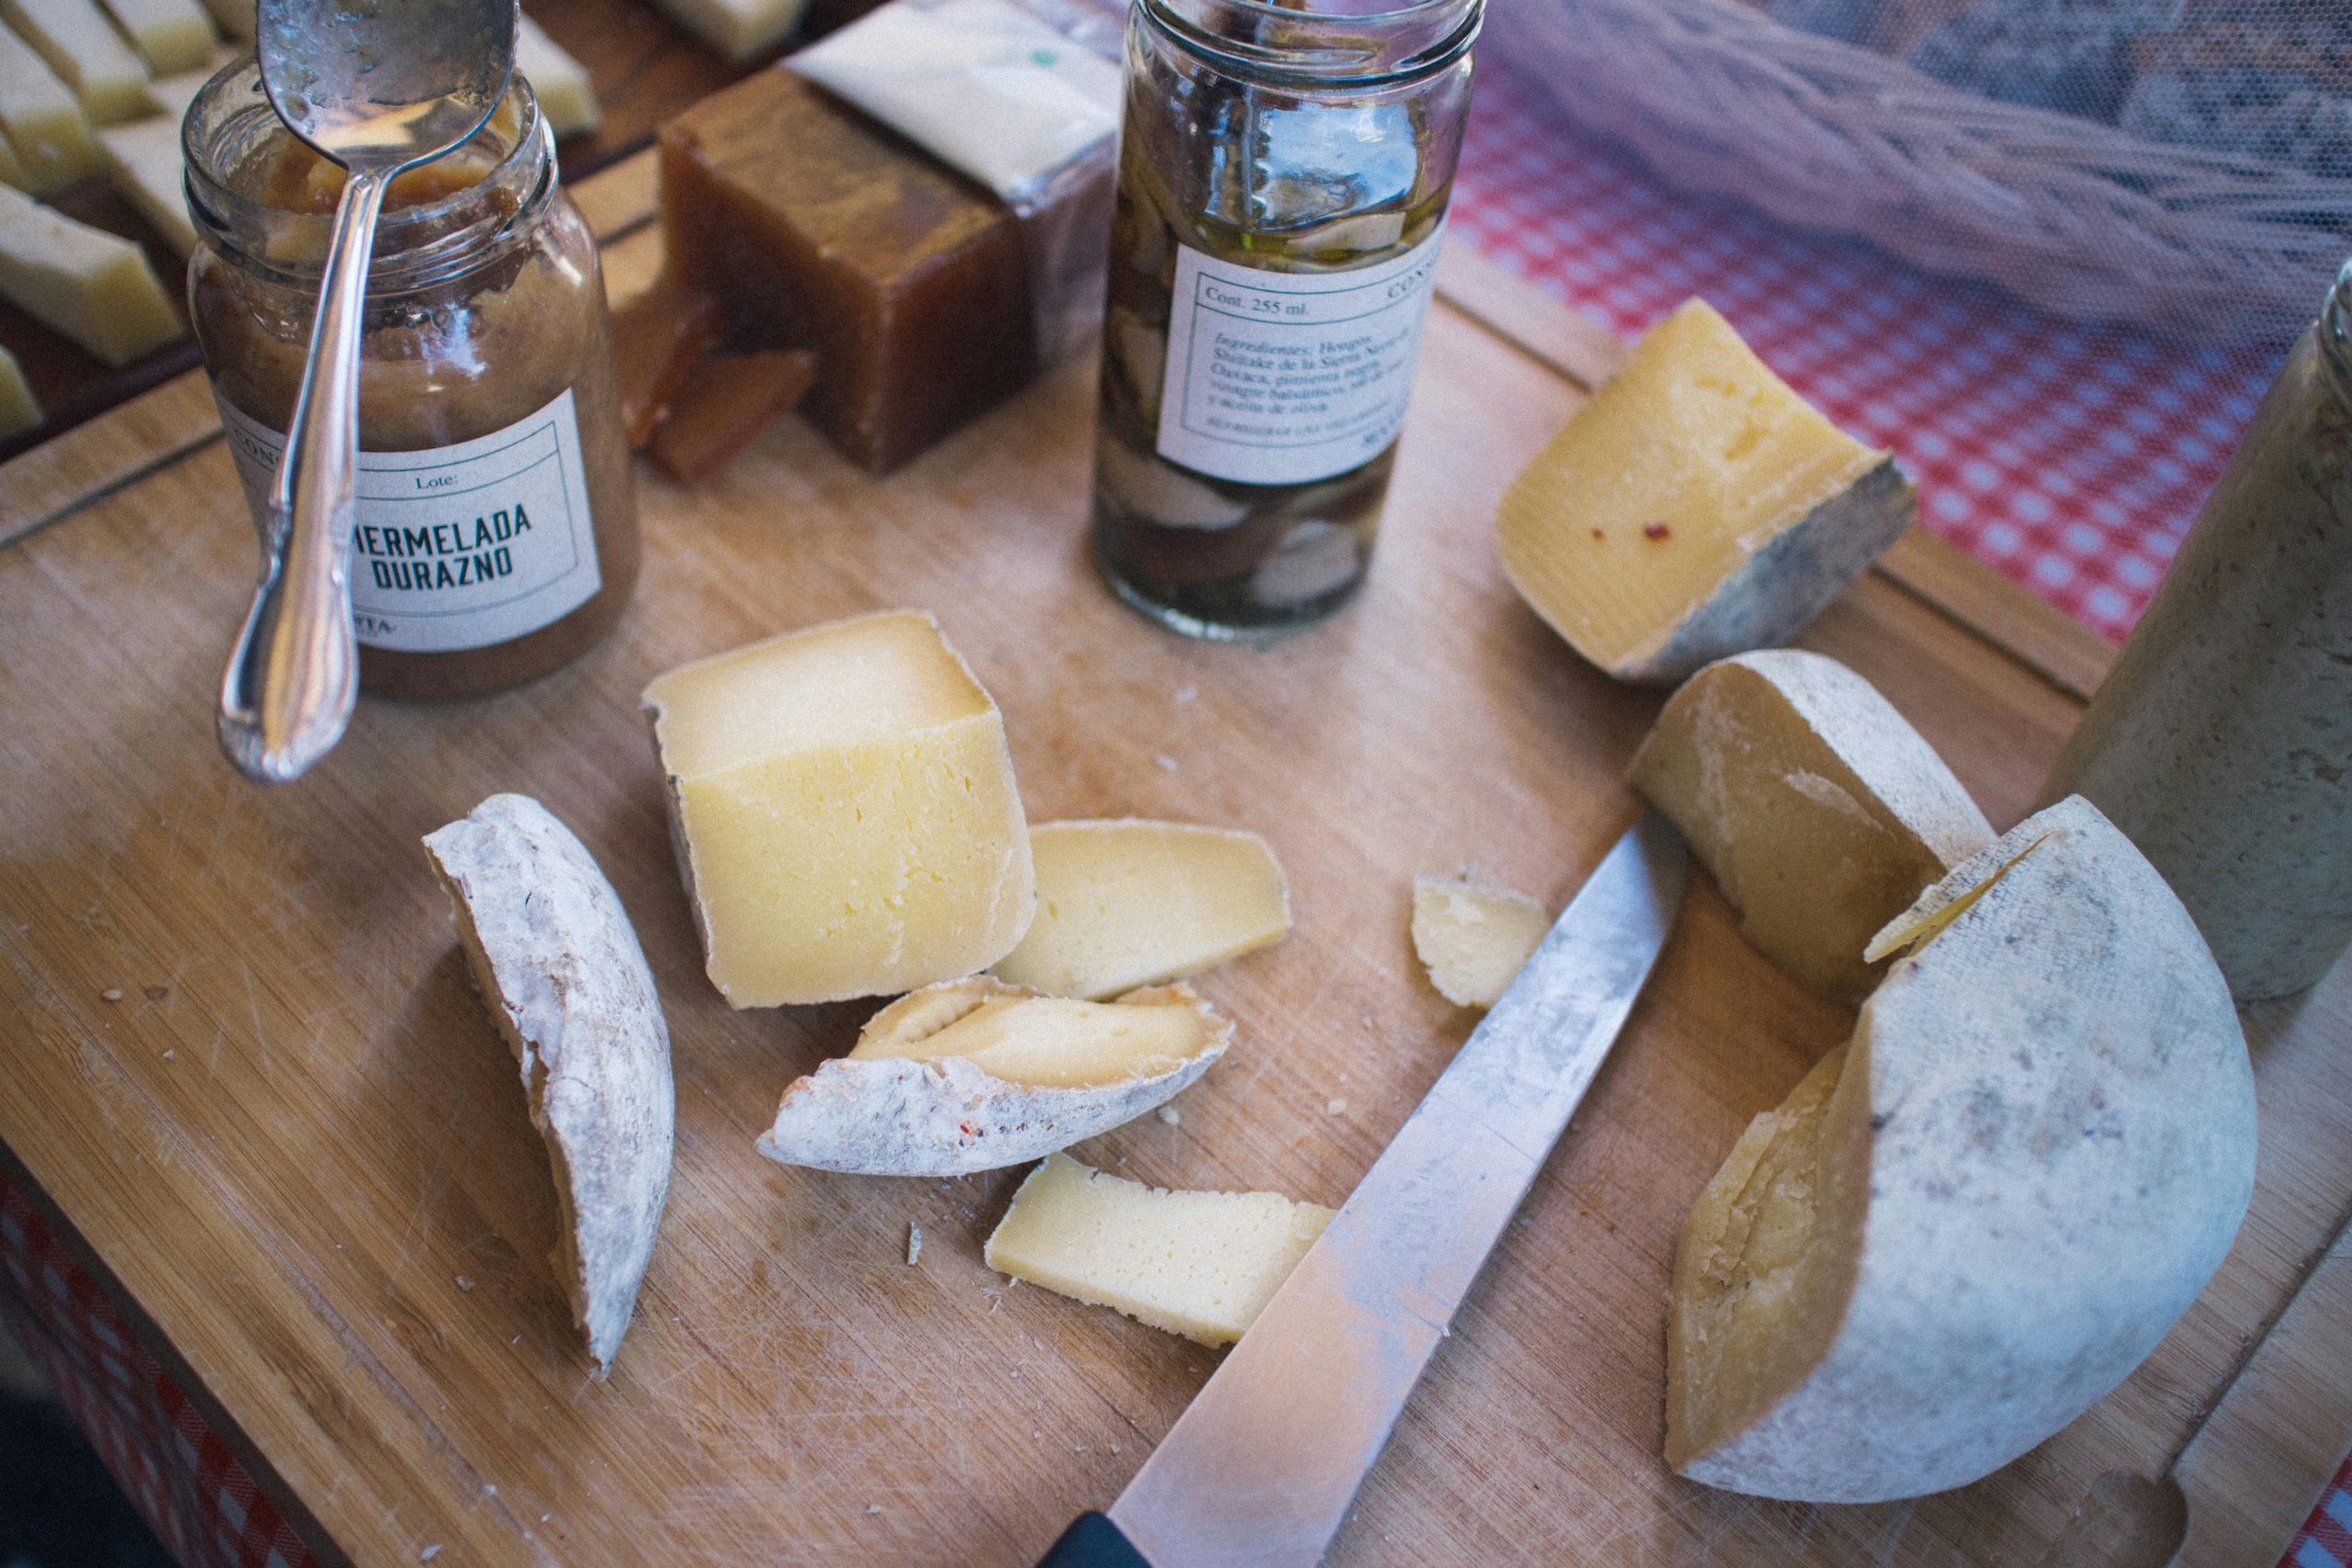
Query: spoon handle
[[294, 675]]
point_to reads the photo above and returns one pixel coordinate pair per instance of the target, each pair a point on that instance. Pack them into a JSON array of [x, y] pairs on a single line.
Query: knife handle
[[1093, 1542]]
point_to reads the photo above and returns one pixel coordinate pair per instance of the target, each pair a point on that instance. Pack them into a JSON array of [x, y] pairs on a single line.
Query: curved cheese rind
[[1819, 811], [559, 967], [1951, 1241], [930, 1089]]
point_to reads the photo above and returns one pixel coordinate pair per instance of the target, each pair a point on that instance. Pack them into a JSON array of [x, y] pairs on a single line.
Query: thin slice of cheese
[[1696, 507], [566, 99], [19, 410], [95, 287], [235, 18], [1474, 939], [44, 122], [82, 48], [145, 163], [1199, 1264], [171, 34], [738, 28], [1129, 903], [1819, 811], [844, 812]]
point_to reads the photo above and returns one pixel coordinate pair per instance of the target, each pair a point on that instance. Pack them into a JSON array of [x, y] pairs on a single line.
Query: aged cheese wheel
[[559, 964], [1820, 813], [1972, 1221]]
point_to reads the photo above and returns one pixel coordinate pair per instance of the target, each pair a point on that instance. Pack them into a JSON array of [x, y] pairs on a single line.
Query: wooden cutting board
[[246, 1066]]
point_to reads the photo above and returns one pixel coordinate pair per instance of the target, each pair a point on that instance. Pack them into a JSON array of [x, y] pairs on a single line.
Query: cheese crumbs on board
[[1474, 939], [1199, 1264]]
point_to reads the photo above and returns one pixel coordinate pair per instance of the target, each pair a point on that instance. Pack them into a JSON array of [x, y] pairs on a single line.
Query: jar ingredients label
[[1285, 377], [458, 546]]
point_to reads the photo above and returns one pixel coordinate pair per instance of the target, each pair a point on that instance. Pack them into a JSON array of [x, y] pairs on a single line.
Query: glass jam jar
[[1283, 172], [496, 537]]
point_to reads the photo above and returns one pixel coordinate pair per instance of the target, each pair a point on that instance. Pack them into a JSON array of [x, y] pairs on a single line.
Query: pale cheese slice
[[171, 34], [1695, 507], [145, 163], [173, 94], [1819, 811], [1129, 903], [19, 410], [737, 29], [567, 97], [95, 287], [1199, 1264], [12, 168], [236, 18], [82, 48], [47, 130], [1474, 939], [844, 812]]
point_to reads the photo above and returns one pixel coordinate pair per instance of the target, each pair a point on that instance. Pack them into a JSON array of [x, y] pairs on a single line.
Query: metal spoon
[[378, 86]]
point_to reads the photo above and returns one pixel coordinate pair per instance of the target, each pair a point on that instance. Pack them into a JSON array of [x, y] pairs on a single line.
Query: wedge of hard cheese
[[144, 162], [1696, 507], [1474, 939], [83, 48], [1199, 1264], [566, 99], [171, 34], [557, 960], [1820, 812], [844, 808], [45, 125], [95, 287], [19, 410], [971, 1075], [1971, 1223], [737, 28], [1129, 903]]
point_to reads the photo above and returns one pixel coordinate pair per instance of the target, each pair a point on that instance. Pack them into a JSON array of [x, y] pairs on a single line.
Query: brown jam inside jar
[[497, 535]]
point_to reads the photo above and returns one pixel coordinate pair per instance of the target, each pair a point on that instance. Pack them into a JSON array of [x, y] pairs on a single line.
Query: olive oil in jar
[[1282, 182]]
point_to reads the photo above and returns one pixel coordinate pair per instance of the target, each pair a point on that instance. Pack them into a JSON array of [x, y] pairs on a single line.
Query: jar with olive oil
[[1283, 172]]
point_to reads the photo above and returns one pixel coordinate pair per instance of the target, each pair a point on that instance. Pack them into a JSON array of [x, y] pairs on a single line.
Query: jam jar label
[[1284, 377], [458, 546]]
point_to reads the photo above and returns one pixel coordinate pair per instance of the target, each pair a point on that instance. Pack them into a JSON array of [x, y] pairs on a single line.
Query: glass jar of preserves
[[1283, 175], [496, 533]]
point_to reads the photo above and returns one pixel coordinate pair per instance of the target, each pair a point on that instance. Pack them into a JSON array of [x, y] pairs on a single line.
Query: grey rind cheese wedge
[[45, 125], [19, 410], [1199, 1264], [559, 967], [1474, 939], [82, 48], [1819, 810], [972, 1075], [1967, 1226], [95, 287]]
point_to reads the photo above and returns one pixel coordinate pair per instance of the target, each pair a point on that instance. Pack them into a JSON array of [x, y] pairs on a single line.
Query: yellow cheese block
[[737, 28], [95, 287], [1474, 939], [1696, 507], [1129, 903], [1199, 1264], [234, 16], [171, 34], [143, 160], [19, 410], [845, 811], [82, 48], [566, 99], [12, 168], [47, 130]]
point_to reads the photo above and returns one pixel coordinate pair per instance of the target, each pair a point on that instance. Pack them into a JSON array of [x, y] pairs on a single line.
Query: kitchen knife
[[1263, 1466]]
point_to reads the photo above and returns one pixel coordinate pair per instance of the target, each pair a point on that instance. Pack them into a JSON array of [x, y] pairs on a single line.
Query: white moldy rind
[[556, 962], [1950, 1243]]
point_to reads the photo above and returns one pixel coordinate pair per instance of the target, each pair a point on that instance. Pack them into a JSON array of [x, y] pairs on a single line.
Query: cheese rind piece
[[84, 51], [1696, 507], [567, 97], [844, 812], [1199, 1264], [1957, 1236], [1130, 902], [971, 1075], [19, 410], [1819, 810], [171, 34], [95, 287], [1474, 939], [558, 966], [737, 29], [144, 162], [45, 125]]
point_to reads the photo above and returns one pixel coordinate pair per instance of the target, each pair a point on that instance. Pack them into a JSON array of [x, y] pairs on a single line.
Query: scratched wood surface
[[296, 1145]]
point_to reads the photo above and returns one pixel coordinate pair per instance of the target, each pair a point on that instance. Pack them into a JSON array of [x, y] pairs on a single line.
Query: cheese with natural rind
[[144, 162], [19, 410], [567, 97], [1199, 1264], [1696, 507], [737, 28], [95, 287], [85, 51], [844, 812], [1473, 940], [46, 128], [971, 1075], [1973, 1221], [1819, 811], [1129, 903], [559, 967], [171, 34]]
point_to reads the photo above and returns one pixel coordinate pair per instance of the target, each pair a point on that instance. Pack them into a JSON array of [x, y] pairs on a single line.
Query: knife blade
[[1263, 1467]]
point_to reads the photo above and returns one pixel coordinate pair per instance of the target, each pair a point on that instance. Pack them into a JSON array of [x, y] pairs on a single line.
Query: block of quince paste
[[971, 1075], [724, 405], [1696, 507], [1199, 1264], [95, 287], [19, 410], [171, 34], [1820, 813], [820, 229], [658, 336], [83, 48], [1128, 903], [1474, 939], [844, 813], [46, 128]]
